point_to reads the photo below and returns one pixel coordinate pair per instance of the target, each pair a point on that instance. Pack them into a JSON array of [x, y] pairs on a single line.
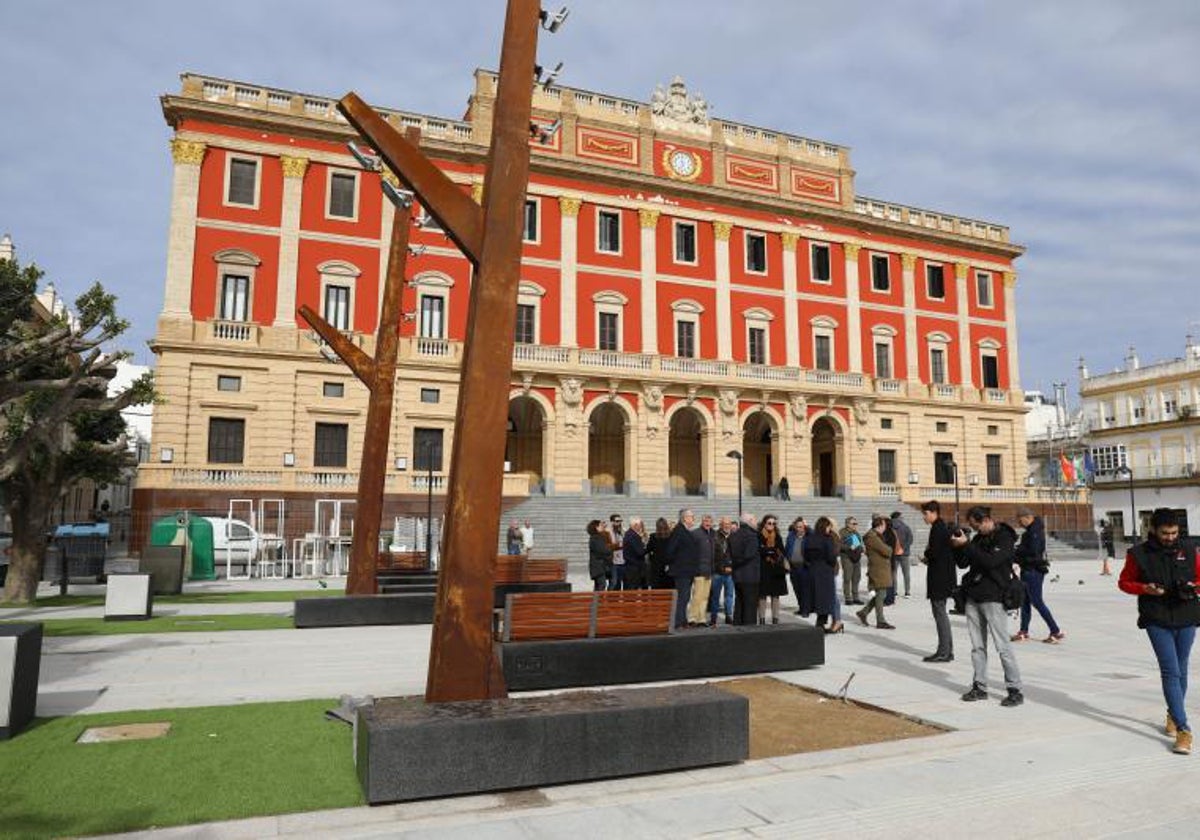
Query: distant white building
[[1144, 435], [118, 498]]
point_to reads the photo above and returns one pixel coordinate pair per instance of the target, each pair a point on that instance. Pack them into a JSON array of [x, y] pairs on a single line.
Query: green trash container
[[195, 534]]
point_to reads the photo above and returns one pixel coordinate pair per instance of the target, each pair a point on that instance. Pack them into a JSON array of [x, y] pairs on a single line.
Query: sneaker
[[1055, 638], [1014, 698], [1183, 743], [883, 625], [977, 692], [1020, 636], [1170, 730]]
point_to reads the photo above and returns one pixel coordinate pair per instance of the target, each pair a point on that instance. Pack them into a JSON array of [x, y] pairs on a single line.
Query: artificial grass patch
[[163, 624], [240, 597], [217, 763]]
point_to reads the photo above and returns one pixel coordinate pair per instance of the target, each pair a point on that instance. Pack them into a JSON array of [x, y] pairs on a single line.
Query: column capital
[[851, 250], [960, 270], [569, 205], [908, 261], [293, 167], [187, 151], [722, 230], [1010, 279], [647, 218], [790, 238]]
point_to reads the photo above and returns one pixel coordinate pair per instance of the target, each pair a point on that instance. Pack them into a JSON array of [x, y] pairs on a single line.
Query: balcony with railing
[[942, 391], [693, 367], [834, 378], [317, 481], [612, 360], [1180, 471], [892, 387], [769, 373], [234, 332]]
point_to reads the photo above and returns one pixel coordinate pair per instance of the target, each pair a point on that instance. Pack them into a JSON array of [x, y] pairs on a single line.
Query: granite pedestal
[[407, 749], [164, 564], [393, 607], [20, 664], [687, 654], [127, 598]]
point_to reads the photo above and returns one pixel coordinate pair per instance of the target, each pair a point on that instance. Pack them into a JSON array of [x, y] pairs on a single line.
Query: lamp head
[[552, 23]]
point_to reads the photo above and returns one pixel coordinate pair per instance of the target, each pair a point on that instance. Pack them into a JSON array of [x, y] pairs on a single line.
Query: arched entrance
[[606, 449], [826, 455], [758, 463], [523, 450], [685, 455]]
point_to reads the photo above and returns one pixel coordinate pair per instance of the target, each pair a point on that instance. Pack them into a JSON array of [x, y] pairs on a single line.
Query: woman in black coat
[[656, 556], [821, 557], [940, 580], [599, 554], [772, 568]]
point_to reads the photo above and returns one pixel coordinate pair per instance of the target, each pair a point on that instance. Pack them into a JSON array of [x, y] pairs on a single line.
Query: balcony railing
[[613, 360], [233, 477], [768, 373], [541, 354], [889, 386], [242, 332], [940, 391], [438, 348], [326, 478], [829, 377], [694, 367], [995, 395], [1159, 472]]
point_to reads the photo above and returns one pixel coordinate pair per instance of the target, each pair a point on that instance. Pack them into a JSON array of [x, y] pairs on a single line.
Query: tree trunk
[[29, 517]]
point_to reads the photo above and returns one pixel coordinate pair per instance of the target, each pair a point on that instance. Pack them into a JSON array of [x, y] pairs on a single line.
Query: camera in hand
[[1185, 590]]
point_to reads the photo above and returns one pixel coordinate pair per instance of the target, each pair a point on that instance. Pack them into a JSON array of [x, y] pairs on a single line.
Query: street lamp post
[[737, 456], [427, 449], [954, 467], [1133, 517]]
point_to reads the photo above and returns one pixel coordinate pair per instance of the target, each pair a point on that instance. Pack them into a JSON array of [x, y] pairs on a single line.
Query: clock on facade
[[682, 164]]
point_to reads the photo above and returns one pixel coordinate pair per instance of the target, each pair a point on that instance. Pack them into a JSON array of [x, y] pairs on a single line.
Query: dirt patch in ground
[[787, 719]]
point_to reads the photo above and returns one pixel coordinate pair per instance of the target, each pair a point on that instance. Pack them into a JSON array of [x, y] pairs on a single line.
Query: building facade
[[691, 288], [1143, 428]]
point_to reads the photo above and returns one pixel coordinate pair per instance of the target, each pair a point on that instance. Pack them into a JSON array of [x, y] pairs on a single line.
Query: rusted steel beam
[[462, 665], [459, 216], [360, 363]]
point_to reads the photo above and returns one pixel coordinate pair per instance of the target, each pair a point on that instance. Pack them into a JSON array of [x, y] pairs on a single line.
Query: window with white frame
[[608, 231], [989, 363], [983, 288], [1109, 411], [938, 371], [1170, 405], [337, 293], [532, 233], [756, 252], [1139, 408], [818, 253], [242, 179], [687, 328], [823, 328], [343, 195], [935, 281], [685, 242], [1108, 458], [529, 305], [881, 275], [883, 338], [758, 335], [433, 304], [235, 282], [610, 310]]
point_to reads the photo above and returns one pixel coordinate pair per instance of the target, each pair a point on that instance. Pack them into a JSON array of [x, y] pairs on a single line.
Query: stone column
[[853, 323], [961, 270], [181, 241], [1010, 329], [791, 316], [289, 240], [648, 219], [908, 262], [721, 232], [569, 306]]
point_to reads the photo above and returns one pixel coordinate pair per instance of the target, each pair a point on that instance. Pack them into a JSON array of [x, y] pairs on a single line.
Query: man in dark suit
[[682, 563], [940, 579], [743, 556]]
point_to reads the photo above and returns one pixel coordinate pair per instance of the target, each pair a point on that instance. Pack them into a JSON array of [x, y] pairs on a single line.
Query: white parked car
[[235, 543]]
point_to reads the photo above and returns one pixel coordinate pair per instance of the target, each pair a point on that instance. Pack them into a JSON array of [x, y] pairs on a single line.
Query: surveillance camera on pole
[[552, 23]]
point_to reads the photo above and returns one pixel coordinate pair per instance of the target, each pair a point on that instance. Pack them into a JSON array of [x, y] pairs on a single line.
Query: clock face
[[683, 163]]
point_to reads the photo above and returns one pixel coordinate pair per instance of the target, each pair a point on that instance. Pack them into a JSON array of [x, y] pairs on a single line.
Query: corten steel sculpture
[[462, 665], [379, 375]]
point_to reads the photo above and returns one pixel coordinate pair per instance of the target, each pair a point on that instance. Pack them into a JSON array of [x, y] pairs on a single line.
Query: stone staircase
[[559, 522]]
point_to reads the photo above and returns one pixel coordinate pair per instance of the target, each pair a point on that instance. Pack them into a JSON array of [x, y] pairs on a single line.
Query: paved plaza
[[1083, 757]]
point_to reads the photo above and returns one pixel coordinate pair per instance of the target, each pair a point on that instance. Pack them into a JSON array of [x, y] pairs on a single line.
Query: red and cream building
[[690, 287]]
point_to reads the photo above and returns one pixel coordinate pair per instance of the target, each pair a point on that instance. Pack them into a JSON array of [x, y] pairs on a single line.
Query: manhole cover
[[127, 732]]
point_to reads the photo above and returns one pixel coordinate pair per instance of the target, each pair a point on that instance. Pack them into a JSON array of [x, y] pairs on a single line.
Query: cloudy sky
[[1074, 122]]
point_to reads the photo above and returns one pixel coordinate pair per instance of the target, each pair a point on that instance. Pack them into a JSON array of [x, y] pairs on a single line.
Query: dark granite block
[[408, 749], [414, 578], [689, 654], [164, 564], [390, 588], [362, 610], [20, 665]]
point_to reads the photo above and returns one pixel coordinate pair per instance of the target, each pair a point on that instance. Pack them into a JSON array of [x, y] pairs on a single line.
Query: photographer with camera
[[1163, 572], [988, 559]]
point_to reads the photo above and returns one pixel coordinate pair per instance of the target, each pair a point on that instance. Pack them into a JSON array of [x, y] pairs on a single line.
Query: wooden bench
[[514, 568], [401, 561], [539, 616]]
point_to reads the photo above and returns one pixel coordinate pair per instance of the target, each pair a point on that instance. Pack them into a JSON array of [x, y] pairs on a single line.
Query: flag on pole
[[1067, 468], [1088, 463], [1080, 469]]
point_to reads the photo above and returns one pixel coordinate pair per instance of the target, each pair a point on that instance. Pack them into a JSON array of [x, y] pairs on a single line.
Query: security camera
[[366, 161], [552, 24], [416, 250], [403, 199], [546, 79]]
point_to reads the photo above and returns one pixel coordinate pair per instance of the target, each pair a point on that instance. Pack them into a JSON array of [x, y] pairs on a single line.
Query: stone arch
[[828, 435], [608, 424], [687, 441], [760, 452], [525, 446]]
